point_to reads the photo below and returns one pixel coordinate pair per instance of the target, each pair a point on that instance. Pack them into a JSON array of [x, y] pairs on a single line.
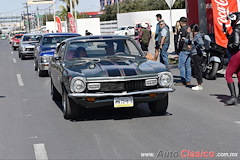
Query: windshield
[[103, 48], [17, 37], [122, 28], [31, 38], [50, 41]]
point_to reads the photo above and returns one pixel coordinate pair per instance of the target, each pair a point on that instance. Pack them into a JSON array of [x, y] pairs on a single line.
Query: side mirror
[[56, 57]]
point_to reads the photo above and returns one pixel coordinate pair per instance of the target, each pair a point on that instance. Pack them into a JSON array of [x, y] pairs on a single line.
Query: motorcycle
[[213, 58]]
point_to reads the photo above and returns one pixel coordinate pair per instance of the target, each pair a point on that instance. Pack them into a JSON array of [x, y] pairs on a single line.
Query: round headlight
[[78, 85], [165, 79]]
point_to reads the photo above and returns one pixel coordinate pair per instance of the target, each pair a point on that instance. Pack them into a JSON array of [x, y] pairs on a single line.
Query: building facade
[[104, 3]]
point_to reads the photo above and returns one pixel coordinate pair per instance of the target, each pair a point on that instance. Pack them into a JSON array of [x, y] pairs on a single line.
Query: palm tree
[[65, 10]]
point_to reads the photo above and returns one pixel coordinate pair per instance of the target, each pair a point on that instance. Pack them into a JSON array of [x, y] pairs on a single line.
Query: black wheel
[[22, 56], [19, 54], [40, 72], [56, 96], [70, 109], [35, 65], [212, 73], [14, 48], [160, 106]]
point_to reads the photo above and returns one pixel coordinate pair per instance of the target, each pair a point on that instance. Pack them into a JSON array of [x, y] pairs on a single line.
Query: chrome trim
[[159, 90], [122, 79]]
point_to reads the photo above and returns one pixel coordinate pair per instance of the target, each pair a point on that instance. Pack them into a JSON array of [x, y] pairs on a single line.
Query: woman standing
[[234, 63], [197, 55]]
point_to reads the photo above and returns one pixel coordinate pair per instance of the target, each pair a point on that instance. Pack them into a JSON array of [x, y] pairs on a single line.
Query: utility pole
[[29, 29], [38, 21]]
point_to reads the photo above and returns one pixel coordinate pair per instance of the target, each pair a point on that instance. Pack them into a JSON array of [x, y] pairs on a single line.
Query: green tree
[[138, 5]]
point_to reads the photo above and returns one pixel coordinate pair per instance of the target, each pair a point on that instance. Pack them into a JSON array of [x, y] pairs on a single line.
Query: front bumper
[[107, 99], [27, 53], [43, 66]]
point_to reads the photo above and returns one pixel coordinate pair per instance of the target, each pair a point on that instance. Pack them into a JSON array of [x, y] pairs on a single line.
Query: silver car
[[27, 44]]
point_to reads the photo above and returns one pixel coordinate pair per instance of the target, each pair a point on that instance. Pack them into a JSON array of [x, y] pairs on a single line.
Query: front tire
[[70, 109], [22, 56], [159, 106], [212, 74]]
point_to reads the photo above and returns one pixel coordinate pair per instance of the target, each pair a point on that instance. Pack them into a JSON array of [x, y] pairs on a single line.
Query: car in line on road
[[13, 33], [27, 44], [45, 48], [125, 31], [16, 41], [102, 71]]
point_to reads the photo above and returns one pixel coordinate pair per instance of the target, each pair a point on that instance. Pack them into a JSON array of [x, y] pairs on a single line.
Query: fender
[[215, 59]]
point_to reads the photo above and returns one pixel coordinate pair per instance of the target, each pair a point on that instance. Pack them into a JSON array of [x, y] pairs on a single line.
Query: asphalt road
[[32, 125]]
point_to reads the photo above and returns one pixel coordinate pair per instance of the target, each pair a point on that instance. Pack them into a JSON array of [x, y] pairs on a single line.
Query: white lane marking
[[12, 52], [20, 81], [238, 122], [40, 151], [14, 60]]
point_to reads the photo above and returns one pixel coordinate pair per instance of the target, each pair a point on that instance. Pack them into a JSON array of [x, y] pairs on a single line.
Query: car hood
[[28, 45], [47, 51], [115, 67]]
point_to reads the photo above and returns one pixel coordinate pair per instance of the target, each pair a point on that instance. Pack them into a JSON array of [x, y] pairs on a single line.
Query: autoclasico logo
[[186, 154], [197, 154]]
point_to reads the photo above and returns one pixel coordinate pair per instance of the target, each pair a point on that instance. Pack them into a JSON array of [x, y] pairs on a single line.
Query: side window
[[62, 49], [133, 50]]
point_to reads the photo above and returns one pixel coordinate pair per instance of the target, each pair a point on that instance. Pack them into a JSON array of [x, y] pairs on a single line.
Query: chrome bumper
[[43, 66], [160, 90]]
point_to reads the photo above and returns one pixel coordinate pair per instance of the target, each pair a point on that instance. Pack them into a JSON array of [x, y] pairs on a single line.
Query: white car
[[125, 30]]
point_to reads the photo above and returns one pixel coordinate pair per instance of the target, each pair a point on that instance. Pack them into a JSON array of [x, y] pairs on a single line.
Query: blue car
[[45, 49]]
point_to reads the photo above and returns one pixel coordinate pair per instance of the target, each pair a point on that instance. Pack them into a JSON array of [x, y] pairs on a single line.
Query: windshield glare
[[49, 41], [31, 38], [96, 49]]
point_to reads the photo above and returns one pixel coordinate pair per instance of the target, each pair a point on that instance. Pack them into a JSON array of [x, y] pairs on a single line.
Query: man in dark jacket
[[184, 57]]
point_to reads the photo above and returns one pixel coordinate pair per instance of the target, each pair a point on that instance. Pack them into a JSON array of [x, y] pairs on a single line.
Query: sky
[[14, 7]]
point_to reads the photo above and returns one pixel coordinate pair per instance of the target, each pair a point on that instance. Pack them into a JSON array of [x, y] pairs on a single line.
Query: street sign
[[170, 3]]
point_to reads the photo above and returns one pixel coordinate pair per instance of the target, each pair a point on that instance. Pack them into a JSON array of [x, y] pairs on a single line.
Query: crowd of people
[[189, 46]]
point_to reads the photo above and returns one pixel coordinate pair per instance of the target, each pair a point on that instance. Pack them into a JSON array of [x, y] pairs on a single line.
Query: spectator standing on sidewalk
[[176, 35], [164, 40], [197, 55], [157, 32], [144, 37], [184, 57], [234, 62]]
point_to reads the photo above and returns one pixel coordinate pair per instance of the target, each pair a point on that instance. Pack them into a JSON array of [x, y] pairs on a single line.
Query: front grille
[[29, 49], [123, 86]]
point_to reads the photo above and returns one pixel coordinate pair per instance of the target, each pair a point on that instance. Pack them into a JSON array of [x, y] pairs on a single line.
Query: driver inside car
[[109, 48], [80, 52]]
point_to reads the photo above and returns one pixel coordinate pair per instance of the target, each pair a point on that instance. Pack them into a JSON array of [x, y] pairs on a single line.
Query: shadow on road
[[223, 98], [138, 111], [2, 96]]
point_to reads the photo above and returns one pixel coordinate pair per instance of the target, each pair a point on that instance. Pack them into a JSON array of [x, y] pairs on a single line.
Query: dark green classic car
[[106, 71]]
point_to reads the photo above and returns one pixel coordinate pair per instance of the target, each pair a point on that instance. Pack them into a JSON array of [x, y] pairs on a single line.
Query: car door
[[56, 66]]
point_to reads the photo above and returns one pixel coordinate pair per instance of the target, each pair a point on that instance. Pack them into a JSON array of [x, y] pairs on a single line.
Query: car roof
[[96, 37], [60, 34], [32, 34], [18, 35]]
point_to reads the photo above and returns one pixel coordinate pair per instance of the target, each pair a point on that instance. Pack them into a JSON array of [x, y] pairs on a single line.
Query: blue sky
[[16, 6]]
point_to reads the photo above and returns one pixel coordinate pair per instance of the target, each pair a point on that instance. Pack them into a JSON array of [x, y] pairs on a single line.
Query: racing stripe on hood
[[128, 69], [112, 70]]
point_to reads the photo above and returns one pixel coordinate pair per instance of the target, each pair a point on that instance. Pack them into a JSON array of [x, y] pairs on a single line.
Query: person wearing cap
[[144, 37], [157, 34], [164, 42], [184, 57]]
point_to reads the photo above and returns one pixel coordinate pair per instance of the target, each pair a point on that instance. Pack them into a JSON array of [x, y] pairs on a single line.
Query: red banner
[[72, 23], [59, 24], [221, 9]]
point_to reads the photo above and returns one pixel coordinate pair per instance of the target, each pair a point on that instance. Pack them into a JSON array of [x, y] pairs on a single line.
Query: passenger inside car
[[80, 52], [109, 48]]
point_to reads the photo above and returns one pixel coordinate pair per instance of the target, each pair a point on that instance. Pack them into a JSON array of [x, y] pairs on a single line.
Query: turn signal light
[[153, 95], [90, 99]]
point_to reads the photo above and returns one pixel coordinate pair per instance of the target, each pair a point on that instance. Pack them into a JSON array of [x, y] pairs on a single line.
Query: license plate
[[123, 102]]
